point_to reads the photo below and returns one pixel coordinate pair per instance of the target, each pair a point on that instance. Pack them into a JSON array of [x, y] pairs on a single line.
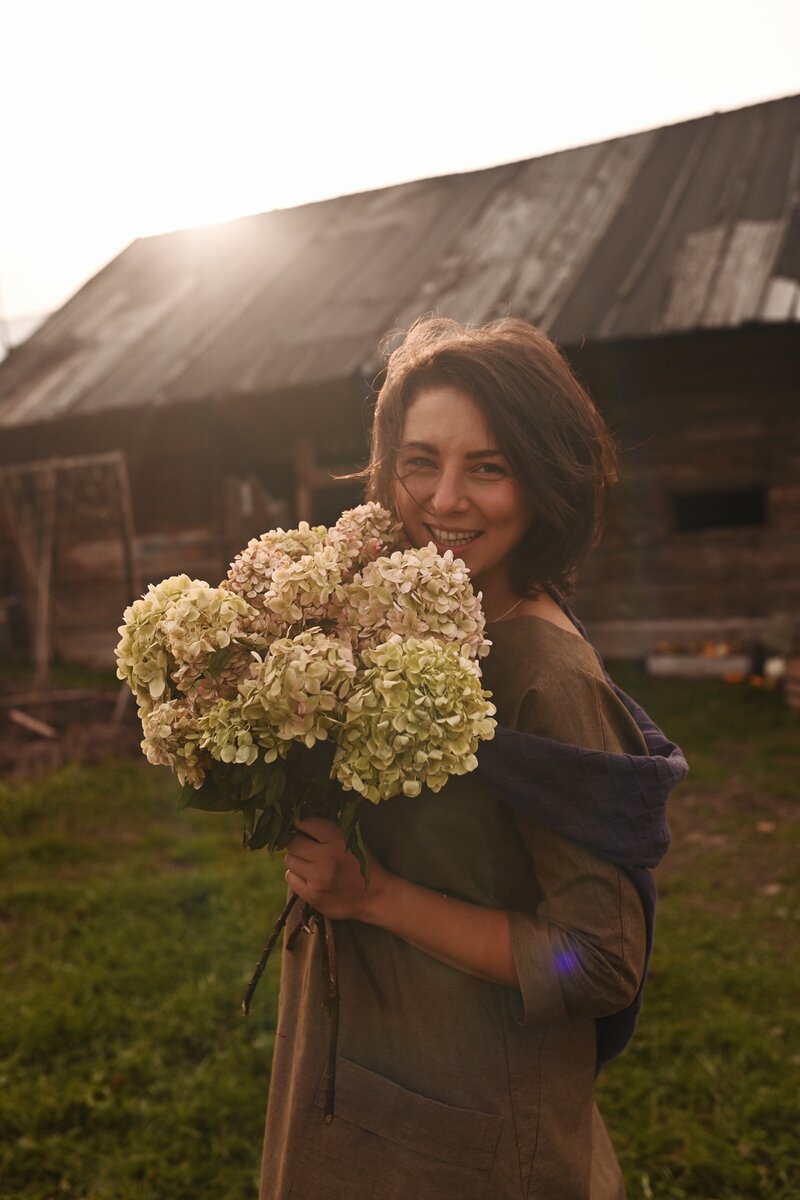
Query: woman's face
[[455, 487]]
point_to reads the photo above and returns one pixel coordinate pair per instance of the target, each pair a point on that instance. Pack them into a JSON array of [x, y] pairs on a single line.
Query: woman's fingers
[[319, 873], [319, 829], [297, 865], [301, 847], [297, 883]]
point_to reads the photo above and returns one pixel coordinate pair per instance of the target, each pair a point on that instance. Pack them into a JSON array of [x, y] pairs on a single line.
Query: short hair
[[556, 442]]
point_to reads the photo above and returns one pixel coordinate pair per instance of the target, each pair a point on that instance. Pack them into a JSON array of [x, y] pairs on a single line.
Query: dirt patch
[[85, 729], [743, 832]]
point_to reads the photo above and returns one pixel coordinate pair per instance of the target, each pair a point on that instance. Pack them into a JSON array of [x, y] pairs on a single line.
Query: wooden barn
[[205, 384]]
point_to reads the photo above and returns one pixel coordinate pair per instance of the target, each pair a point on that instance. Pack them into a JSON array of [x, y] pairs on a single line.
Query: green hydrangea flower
[[172, 739], [417, 593], [414, 718], [296, 691], [143, 651]]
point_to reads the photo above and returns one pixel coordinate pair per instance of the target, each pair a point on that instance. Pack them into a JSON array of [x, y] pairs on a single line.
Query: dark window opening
[[720, 510]]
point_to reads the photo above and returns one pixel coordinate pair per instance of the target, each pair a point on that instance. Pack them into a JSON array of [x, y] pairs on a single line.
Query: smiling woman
[[496, 944], [457, 489], [488, 433]]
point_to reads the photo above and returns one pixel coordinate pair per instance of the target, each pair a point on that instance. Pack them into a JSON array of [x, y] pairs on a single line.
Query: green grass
[[128, 932], [705, 1103]]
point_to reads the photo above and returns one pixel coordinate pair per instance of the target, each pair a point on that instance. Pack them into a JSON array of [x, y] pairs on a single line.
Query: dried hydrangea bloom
[[417, 593], [414, 718], [227, 736], [142, 652], [172, 739], [297, 690], [363, 533], [308, 591], [250, 574], [199, 623], [220, 679]]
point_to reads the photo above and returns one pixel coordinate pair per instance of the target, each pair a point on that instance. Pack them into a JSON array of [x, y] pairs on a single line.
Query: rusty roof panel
[[696, 225]]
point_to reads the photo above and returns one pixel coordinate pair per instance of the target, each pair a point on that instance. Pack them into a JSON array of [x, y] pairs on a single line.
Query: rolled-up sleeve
[[582, 953]]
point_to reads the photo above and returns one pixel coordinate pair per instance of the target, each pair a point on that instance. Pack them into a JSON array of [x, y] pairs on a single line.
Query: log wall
[[703, 412], [686, 429]]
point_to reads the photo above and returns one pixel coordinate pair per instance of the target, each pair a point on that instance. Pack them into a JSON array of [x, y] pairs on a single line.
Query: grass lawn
[[128, 932]]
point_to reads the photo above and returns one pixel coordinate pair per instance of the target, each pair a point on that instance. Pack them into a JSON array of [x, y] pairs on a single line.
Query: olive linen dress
[[461, 1089]]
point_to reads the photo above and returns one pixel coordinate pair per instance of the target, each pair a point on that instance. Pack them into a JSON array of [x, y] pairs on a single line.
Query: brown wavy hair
[[556, 442]]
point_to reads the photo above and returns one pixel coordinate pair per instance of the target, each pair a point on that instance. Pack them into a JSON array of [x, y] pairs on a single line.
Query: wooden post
[[28, 501], [132, 580], [42, 649], [304, 476]]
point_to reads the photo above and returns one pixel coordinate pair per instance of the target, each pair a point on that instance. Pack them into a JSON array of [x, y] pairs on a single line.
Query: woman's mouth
[[453, 539]]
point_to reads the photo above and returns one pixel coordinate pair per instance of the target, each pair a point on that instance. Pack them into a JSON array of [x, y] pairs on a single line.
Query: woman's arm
[[467, 936]]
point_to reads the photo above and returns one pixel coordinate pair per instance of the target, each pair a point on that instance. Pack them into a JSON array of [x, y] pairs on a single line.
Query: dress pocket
[[387, 1143]]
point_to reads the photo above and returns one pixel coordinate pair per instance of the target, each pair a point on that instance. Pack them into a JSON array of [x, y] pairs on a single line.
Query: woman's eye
[[419, 462], [490, 468]]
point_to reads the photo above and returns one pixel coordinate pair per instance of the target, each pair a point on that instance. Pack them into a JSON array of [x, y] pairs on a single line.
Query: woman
[[497, 942]]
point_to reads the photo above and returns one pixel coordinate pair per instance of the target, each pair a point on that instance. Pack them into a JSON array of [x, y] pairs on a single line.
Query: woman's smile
[[452, 539]]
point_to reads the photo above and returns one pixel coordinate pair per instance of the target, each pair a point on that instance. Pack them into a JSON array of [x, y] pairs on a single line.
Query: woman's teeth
[[451, 537]]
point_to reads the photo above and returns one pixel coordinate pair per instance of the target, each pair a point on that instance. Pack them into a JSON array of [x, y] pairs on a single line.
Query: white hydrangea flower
[[363, 533], [172, 739], [414, 718], [417, 593], [143, 652], [250, 574], [310, 591], [221, 677], [197, 624], [228, 738], [297, 690]]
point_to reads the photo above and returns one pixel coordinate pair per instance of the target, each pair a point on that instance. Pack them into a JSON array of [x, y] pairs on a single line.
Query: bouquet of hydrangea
[[330, 667]]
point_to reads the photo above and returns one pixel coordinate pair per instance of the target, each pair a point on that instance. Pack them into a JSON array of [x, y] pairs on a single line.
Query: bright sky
[[127, 119]]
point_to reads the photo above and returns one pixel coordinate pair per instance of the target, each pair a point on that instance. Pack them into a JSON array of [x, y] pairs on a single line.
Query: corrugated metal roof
[[689, 226]]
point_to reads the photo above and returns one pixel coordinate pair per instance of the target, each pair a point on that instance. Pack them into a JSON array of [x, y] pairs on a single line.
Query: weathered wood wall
[[693, 413], [703, 415]]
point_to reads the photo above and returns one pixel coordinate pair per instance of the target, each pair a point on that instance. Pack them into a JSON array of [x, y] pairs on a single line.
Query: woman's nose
[[449, 494]]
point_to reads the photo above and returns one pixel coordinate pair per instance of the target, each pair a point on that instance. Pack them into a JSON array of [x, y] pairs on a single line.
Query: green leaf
[[266, 831], [186, 794], [274, 787], [248, 824], [220, 773], [355, 844], [212, 797]]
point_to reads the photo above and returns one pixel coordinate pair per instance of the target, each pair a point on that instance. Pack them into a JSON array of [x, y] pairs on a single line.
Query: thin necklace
[[508, 611]]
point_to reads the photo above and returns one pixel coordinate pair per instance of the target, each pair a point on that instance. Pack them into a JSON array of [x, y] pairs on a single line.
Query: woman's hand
[[323, 872]]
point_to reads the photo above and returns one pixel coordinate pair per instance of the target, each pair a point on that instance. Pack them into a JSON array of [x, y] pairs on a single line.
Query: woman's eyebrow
[[432, 450]]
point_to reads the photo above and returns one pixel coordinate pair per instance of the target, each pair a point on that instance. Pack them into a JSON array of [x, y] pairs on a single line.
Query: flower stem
[[302, 926], [262, 962]]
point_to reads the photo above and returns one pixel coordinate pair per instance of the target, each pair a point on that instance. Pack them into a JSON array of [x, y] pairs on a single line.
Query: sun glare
[[126, 121]]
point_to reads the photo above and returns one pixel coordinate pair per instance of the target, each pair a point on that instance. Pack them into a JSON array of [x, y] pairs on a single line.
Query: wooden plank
[[32, 724], [61, 696], [691, 278], [42, 640], [780, 299], [660, 226], [743, 274], [69, 463]]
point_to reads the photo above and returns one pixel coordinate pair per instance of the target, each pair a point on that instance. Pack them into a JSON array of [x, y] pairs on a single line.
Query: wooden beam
[[32, 724], [42, 648]]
